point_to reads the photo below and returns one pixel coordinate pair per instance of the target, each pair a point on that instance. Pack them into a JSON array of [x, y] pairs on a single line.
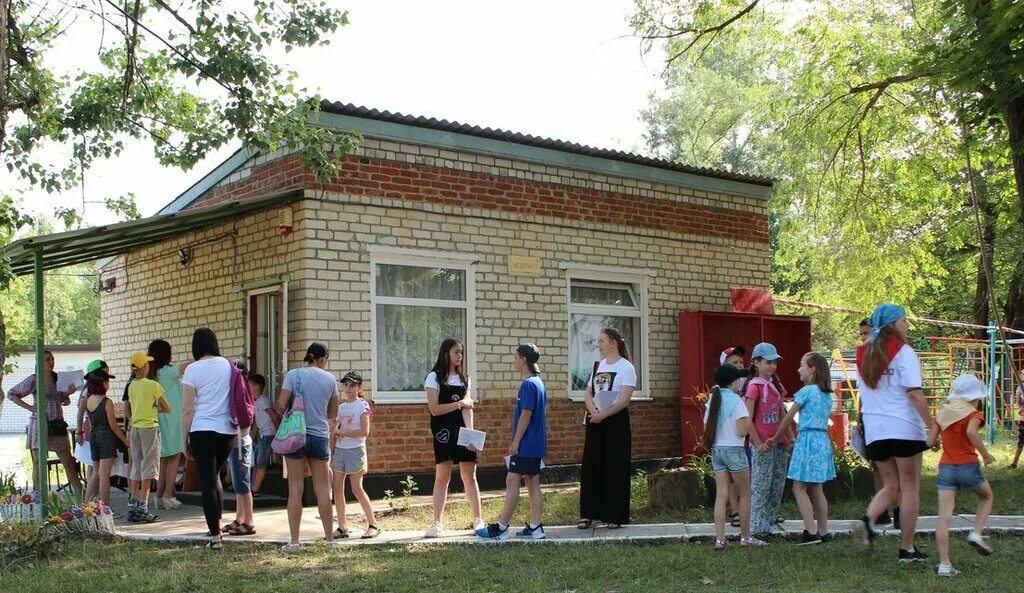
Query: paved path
[[187, 525]]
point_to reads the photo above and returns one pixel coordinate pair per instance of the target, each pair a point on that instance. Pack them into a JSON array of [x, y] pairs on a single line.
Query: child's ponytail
[[752, 373], [714, 409]]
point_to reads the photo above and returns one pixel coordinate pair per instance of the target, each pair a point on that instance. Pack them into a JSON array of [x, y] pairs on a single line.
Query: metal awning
[[85, 245]]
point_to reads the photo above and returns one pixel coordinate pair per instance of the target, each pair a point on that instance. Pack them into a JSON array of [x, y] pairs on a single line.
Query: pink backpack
[[242, 405]]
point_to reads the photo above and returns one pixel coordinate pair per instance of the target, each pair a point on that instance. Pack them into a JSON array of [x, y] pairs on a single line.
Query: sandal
[[720, 544], [371, 532], [735, 520], [243, 529], [584, 524], [780, 520], [230, 527], [214, 544], [340, 533]]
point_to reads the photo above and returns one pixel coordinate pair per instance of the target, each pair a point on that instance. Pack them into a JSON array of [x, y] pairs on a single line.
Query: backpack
[[241, 404]]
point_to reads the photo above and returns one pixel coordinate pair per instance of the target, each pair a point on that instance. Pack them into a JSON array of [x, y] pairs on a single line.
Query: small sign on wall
[[523, 265]]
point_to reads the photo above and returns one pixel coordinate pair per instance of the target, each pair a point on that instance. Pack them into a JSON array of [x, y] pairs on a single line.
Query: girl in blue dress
[[811, 464]]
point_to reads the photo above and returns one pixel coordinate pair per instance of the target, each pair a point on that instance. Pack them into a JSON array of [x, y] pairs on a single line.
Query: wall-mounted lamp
[[185, 255]]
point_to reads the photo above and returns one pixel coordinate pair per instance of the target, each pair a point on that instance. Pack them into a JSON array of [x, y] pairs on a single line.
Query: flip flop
[[584, 524]]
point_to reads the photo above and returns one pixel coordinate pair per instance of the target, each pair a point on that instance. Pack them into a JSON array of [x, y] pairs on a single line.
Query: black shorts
[[886, 449], [524, 466]]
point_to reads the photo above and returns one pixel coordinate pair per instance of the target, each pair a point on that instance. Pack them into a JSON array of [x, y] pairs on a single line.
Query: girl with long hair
[[450, 402], [894, 414], [607, 448], [168, 375]]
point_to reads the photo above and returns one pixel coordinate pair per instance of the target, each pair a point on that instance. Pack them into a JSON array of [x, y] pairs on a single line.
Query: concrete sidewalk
[[187, 525]]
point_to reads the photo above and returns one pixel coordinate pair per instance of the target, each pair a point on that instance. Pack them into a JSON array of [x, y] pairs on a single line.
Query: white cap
[[968, 387]]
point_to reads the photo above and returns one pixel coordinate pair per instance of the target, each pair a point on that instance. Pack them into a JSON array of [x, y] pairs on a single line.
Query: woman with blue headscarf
[[894, 414]]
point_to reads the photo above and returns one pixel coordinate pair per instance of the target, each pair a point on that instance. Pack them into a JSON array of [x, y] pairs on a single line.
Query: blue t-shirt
[[317, 387], [532, 396], [815, 407]]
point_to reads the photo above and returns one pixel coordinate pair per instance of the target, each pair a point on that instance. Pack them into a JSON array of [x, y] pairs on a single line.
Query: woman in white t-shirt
[[894, 414], [607, 450], [450, 402], [206, 423]]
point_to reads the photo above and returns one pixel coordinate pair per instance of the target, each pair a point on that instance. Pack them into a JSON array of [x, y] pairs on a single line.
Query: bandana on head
[[884, 314]]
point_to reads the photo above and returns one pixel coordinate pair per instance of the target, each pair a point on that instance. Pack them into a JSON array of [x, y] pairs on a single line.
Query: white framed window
[[416, 302], [599, 300]]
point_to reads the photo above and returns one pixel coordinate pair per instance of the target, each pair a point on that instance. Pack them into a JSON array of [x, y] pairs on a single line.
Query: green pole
[[993, 376], [40, 402]]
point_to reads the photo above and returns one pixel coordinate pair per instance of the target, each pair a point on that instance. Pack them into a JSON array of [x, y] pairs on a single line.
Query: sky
[[567, 69]]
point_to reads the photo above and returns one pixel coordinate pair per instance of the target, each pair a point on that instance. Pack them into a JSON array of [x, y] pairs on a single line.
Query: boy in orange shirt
[[957, 424]]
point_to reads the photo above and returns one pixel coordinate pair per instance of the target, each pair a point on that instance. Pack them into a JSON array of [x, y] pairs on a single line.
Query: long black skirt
[[604, 477]]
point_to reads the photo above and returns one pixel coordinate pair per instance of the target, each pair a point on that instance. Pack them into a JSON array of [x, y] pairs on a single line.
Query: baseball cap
[[735, 350], [726, 374], [99, 375], [968, 387], [531, 353], [95, 366], [766, 351], [353, 377], [139, 360]]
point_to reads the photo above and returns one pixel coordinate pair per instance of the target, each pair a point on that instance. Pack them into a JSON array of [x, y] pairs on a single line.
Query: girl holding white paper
[[449, 400], [607, 450]]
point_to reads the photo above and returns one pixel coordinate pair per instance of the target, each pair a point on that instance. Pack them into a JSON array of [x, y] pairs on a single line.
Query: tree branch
[[176, 16], [699, 34]]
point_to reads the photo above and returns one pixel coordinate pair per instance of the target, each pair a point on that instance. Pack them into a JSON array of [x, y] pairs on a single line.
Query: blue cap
[[766, 351]]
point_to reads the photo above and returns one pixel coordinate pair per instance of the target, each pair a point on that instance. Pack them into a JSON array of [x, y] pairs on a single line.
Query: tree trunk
[[1013, 116], [5, 14], [980, 308]]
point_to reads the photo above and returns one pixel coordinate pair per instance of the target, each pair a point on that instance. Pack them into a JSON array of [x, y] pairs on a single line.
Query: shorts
[[145, 448], [524, 466], [1020, 434], [263, 450], [349, 461], [886, 449], [729, 459], [315, 448], [241, 468], [965, 475]]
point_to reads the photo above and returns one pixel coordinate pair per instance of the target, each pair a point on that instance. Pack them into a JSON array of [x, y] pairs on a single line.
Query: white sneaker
[[164, 503], [174, 502], [436, 529], [947, 570], [979, 543], [479, 524], [291, 548], [334, 544]]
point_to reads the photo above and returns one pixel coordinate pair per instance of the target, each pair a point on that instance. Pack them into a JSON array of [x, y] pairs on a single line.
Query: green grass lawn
[[562, 508], [93, 567]]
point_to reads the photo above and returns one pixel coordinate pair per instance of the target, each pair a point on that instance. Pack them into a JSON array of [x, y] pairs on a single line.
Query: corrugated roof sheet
[[529, 140]]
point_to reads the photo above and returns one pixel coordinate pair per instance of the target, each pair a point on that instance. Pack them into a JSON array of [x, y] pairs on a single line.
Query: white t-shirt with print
[[453, 380], [887, 411], [613, 377], [211, 378], [349, 418]]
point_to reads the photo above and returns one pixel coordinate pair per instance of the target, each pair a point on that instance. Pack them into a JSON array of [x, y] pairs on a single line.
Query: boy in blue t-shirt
[[528, 448]]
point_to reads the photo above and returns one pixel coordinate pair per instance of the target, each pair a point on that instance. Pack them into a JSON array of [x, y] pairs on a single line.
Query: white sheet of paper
[[65, 379], [508, 461], [468, 436], [605, 399]]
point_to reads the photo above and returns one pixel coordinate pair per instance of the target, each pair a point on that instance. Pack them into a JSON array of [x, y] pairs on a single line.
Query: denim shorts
[[965, 475], [315, 448], [263, 451], [729, 459], [241, 468]]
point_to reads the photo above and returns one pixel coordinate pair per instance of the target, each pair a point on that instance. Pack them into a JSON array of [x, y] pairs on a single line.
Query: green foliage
[[25, 545], [409, 487], [858, 110]]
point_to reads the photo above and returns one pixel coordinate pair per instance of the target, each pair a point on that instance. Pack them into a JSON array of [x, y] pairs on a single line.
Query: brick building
[[436, 229]]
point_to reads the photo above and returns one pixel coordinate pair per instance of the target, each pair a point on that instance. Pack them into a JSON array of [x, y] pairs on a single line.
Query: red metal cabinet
[[702, 337]]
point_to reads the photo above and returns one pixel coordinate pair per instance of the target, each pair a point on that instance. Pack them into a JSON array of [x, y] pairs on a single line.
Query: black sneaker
[[809, 539], [863, 534], [827, 538], [914, 555], [885, 519], [896, 518]]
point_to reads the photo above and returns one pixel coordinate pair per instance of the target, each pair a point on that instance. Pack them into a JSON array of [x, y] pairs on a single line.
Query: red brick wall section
[[400, 439], [422, 183]]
